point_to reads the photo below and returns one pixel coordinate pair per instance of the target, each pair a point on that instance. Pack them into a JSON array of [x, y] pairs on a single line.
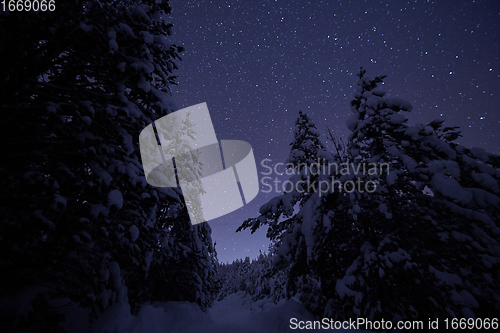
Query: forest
[[81, 230]]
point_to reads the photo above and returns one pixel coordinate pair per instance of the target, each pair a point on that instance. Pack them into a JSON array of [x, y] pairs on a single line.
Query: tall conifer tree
[[78, 220]]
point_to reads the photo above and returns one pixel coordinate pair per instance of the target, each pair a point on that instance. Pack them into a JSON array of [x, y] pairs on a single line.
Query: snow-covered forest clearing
[[87, 245]]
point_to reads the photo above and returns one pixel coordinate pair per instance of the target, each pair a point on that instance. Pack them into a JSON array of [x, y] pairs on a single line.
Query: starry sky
[[257, 63]]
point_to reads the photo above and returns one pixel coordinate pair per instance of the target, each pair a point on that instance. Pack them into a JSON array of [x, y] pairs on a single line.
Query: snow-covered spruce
[[424, 244], [79, 223]]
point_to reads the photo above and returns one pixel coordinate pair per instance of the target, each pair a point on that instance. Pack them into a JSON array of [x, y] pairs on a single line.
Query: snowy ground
[[236, 313]]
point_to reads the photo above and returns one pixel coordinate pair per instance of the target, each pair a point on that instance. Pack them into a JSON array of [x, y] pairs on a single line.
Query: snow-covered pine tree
[[79, 221], [305, 145], [410, 249], [184, 265], [292, 232], [187, 250]]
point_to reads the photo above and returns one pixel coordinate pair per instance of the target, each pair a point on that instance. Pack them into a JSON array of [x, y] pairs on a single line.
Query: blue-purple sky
[[257, 63]]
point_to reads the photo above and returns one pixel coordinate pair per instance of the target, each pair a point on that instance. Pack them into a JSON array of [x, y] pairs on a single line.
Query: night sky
[[257, 63]]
